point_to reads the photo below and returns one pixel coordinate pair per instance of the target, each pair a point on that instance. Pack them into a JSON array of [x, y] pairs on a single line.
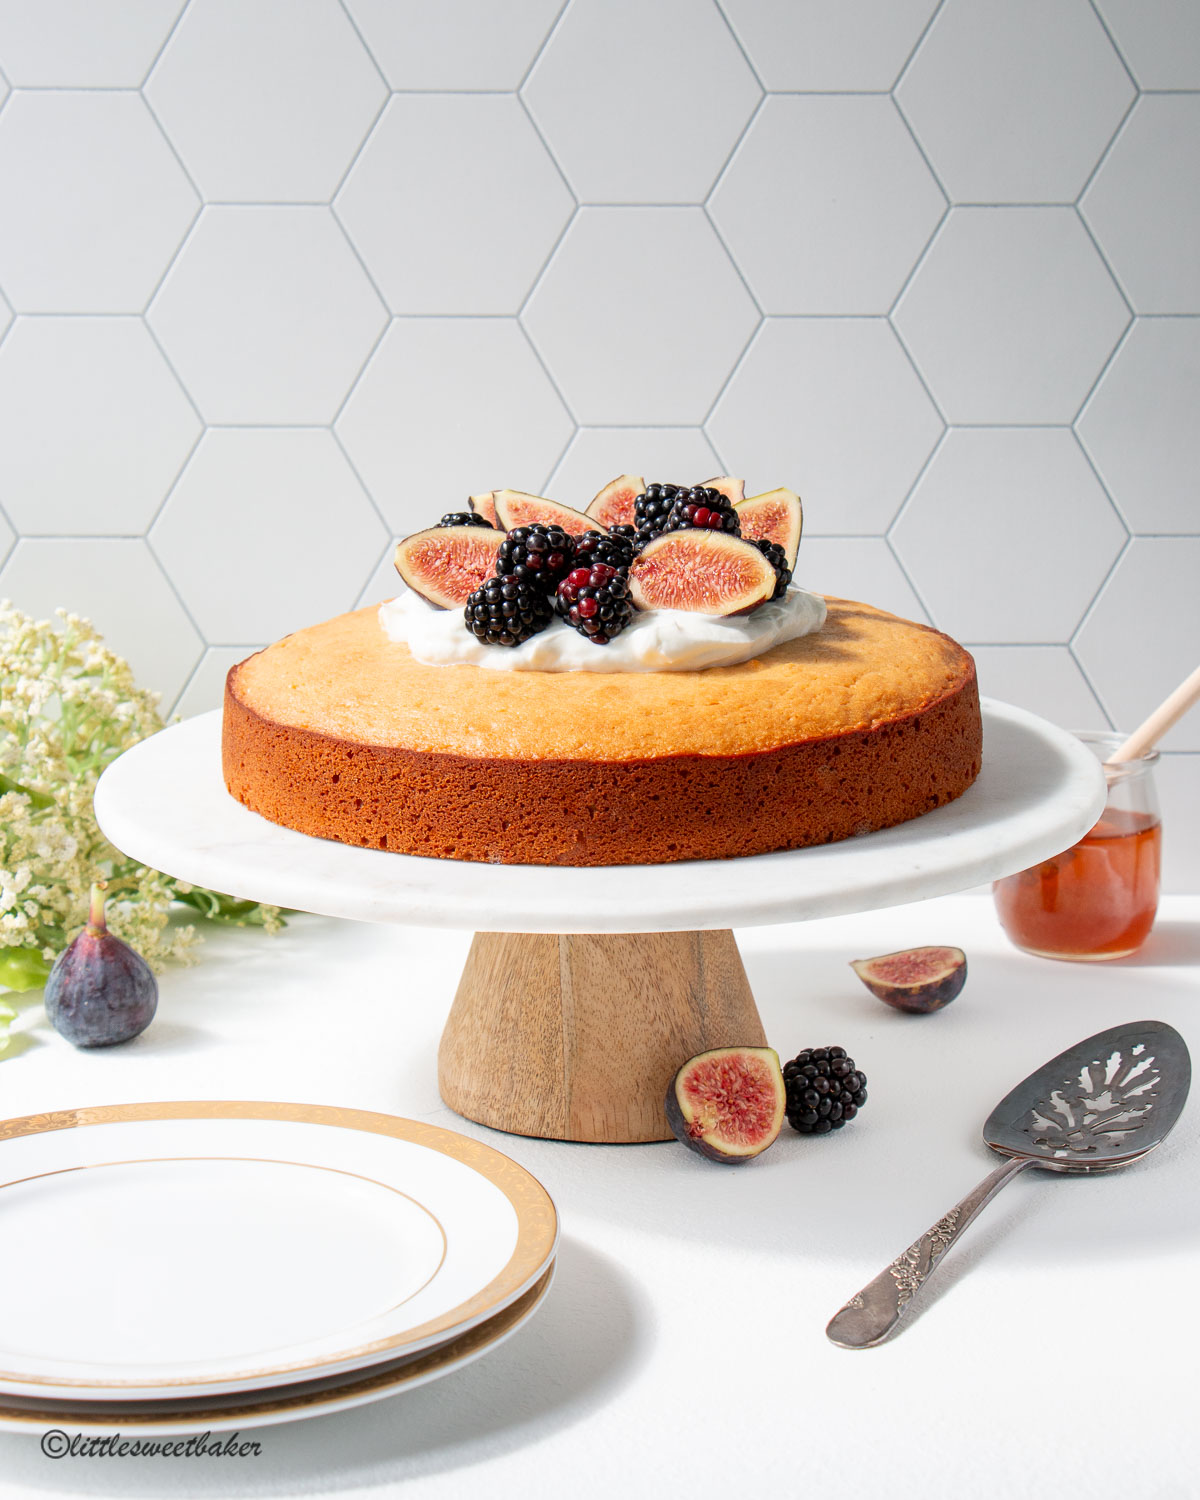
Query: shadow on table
[[1169, 944], [858, 1196], [580, 1347]]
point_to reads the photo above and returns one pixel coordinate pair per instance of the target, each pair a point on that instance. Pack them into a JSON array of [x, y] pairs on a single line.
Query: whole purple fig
[[100, 991]]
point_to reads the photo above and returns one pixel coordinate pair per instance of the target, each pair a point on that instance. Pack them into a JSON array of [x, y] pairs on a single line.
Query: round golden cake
[[337, 731]]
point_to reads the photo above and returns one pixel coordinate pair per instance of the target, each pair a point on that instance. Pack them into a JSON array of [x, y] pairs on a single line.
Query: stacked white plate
[[214, 1265]]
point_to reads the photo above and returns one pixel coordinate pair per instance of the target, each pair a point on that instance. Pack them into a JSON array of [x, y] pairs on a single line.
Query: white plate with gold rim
[[136, 1420], [211, 1247]]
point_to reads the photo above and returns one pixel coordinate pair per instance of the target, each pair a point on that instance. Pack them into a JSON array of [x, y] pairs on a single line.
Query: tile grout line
[[540, 51], [370, 52], [170, 364], [1107, 150], [357, 154], [906, 498], [1104, 490], [174, 484], [916, 47], [728, 381], [340, 444], [904, 573], [1113, 43], [166, 42], [1090, 608], [549, 374], [540, 277], [339, 410], [179, 599], [737, 41]]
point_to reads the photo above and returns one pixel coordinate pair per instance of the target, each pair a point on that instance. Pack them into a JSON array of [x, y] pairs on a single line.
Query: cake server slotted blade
[[1101, 1104]]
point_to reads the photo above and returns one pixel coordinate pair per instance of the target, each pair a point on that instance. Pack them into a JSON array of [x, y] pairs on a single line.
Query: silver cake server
[[1101, 1104]]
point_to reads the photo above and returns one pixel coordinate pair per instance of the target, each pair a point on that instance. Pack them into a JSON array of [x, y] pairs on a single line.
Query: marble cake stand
[[585, 988]]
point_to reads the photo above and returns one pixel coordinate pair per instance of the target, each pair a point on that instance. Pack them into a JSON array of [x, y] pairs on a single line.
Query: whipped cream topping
[[660, 640]]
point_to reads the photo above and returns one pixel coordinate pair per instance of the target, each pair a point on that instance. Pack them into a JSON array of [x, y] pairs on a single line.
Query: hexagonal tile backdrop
[[454, 203], [1014, 103], [283, 280]]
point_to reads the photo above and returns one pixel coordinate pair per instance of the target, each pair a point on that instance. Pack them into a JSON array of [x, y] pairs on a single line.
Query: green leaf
[[221, 908], [22, 969], [39, 800]]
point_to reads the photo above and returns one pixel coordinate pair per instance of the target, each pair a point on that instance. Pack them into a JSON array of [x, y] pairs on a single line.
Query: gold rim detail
[[537, 1222]]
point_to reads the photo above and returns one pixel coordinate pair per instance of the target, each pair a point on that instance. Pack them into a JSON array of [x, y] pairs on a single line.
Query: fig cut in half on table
[[919, 980], [445, 564], [728, 1104]]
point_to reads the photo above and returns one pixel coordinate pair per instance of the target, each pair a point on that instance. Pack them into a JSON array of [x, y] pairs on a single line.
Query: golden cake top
[[344, 678]]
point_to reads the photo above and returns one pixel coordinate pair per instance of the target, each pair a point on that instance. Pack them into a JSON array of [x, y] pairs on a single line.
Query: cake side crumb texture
[[336, 731]]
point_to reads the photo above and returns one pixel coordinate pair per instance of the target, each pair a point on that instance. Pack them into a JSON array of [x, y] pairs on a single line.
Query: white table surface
[[681, 1350]]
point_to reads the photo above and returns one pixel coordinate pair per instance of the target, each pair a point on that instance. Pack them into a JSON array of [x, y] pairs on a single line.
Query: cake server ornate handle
[[873, 1313]]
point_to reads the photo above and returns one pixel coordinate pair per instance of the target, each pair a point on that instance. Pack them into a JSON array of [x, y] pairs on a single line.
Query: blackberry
[[537, 553], [597, 547], [506, 611], [777, 557], [595, 601], [465, 518], [650, 510], [703, 509], [824, 1090]]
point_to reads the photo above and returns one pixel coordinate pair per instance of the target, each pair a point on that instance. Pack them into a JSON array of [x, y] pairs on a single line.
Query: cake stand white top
[[164, 803]]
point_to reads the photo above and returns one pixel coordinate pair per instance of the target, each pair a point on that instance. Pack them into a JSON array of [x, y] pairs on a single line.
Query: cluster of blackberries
[[518, 600], [777, 557], [536, 554], [504, 611], [542, 568], [465, 518], [824, 1090], [616, 548], [673, 507], [595, 601]]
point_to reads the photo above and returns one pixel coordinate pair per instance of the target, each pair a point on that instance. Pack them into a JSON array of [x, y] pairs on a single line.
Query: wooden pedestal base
[[576, 1038]]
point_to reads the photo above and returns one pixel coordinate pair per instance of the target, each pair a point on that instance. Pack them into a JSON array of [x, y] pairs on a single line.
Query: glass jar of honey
[[1098, 899]]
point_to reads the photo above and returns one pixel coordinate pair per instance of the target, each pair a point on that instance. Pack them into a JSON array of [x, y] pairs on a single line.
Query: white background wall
[[285, 279]]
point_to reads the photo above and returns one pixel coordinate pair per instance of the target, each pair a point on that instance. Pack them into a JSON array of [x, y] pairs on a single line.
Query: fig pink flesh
[[704, 572], [613, 506], [775, 517], [514, 508], [914, 966], [733, 1097], [485, 505], [733, 489], [446, 563]]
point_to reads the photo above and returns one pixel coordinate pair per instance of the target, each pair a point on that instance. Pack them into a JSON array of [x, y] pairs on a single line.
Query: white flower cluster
[[69, 706]]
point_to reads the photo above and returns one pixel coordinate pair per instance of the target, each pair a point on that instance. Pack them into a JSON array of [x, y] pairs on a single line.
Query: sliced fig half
[[613, 506], [484, 505], [446, 563], [915, 979], [515, 508], [728, 1104], [734, 490], [705, 572], [775, 517]]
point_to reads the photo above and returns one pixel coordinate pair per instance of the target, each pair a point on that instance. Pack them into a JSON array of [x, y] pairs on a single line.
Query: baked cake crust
[[338, 732]]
